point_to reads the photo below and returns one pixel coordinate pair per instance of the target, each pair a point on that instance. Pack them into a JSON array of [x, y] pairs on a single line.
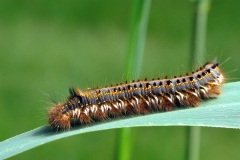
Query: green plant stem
[[198, 50], [194, 142], [138, 29], [125, 140], [202, 8]]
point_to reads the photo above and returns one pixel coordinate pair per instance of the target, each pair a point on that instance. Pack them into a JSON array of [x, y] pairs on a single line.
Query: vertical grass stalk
[[198, 50], [138, 30]]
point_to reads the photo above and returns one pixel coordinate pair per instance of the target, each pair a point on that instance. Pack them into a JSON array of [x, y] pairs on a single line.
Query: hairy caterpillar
[[139, 97]]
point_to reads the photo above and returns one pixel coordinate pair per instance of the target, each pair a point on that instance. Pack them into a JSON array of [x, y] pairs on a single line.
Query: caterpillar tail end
[[57, 120]]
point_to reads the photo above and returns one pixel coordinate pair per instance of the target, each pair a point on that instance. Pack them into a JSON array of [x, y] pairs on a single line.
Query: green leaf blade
[[224, 111]]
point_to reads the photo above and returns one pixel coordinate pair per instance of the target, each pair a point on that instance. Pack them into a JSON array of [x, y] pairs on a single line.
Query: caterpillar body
[[137, 97]]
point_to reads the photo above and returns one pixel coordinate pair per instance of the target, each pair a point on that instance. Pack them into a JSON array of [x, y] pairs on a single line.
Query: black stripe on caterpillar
[[138, 98]]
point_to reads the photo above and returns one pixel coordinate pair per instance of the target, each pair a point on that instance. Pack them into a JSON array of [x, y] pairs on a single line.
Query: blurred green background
[[48, 46]]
